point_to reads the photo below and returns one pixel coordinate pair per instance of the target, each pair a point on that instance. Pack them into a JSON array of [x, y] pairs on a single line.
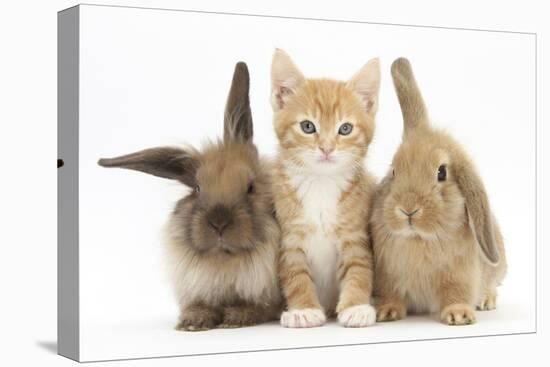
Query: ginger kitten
[[322, 193]]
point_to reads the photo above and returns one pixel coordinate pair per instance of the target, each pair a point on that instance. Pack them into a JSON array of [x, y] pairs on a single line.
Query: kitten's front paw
[[307, 317], [458, 314], [390, 312], [357, 316]]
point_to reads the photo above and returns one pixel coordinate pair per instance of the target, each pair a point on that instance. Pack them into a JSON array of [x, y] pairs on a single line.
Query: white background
[[30, 301], [151, 77]]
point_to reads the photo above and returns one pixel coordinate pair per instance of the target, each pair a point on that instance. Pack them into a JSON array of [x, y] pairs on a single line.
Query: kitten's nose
[[327, 150], [219, 218]]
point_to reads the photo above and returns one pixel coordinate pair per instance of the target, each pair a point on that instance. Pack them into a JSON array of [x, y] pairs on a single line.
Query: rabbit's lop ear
[[238, 117], [479, 212], [415, 115], [166, 162]]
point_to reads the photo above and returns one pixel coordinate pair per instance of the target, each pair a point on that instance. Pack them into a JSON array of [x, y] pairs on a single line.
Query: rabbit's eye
[[307, 127], [442, 173], [250, 189], [393, 172], [345, 129], [197, 189]]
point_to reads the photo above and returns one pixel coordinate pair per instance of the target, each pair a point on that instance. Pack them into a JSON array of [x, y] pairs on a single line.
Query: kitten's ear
[[366, 82], [285, 78]]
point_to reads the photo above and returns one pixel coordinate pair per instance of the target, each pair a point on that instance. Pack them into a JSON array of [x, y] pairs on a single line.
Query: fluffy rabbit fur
[[222, 240], [437, 246]]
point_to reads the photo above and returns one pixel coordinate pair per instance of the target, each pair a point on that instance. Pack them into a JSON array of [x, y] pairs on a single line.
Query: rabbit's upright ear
[[166, 162], [415, 114], [238, 117], [479, 211]]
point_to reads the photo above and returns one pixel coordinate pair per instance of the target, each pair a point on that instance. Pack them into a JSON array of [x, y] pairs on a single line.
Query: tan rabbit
[[222, 239], [437, 246]]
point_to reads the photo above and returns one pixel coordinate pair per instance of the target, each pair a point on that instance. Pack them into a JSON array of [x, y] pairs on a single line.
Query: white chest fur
[[214, 281], [319, 196], [249, 281]]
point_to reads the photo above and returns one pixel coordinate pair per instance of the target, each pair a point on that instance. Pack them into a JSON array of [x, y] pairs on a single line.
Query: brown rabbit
[[222, 240], [437, 246]]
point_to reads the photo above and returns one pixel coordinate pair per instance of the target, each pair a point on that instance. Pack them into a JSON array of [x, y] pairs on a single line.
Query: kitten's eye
[[345, 128], [250, 189], [197, 189], [393, 172], [307, 127], [442, 173]]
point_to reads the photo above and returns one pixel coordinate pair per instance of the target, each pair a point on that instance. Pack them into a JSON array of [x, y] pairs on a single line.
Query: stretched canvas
[[134, 78]]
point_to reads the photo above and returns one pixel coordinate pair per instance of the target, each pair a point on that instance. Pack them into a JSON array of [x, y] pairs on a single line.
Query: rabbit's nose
[[219, 218], [218, 226], [409, 213]]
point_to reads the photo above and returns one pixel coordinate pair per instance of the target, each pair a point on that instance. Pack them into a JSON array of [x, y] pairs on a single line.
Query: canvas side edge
[[68, 333]]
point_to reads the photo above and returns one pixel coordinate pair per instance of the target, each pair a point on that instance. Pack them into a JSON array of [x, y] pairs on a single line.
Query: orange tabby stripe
[[296, 280], [355, 274], [355, 269]]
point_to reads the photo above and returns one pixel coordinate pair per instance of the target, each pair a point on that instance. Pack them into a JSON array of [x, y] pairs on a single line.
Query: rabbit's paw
[[198, 320], [458, 314], [391, 312], [488, 302], [234, 317]]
